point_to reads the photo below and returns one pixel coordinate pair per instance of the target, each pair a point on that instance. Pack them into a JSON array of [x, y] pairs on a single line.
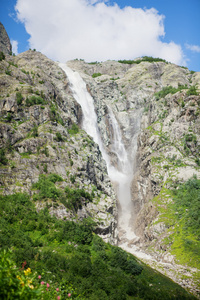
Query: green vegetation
[[2, 56], [19, 98], [112, 78], [65, 259], [74, 129], [47, 188], [8, 72], [45, 151], [3, 159], [35, 100], [74, 198], [187, 204], [93, 63], [189, 141], [144, 58], [94, 75], [181, 217], [9, 117], [55, 116], [59, 137], [11, 63], [192, 91], [24, 71], [169, 90], [35, 131]]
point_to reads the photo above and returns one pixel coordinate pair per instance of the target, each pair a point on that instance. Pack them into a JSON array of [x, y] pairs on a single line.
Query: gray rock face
[[37, 112], [167, 134], [5, 45]]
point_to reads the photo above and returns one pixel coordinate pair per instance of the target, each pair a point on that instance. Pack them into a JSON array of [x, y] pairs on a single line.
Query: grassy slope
[[71, 256]]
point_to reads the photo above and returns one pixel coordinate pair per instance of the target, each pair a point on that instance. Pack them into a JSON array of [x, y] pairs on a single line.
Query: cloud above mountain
[[95, 31]]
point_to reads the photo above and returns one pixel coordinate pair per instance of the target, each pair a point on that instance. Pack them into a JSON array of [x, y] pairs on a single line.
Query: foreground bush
[[54, 258]]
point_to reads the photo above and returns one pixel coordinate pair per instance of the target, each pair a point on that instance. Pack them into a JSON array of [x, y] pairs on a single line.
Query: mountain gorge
[[139, 185]]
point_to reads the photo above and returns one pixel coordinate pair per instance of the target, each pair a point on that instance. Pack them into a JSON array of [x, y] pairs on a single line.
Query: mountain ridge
[[40, 129]]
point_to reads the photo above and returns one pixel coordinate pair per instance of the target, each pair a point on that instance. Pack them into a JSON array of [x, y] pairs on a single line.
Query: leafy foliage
[[47, 188], [169, 90], [192, 91], [3, 159], [69, 257], [59, 137], [94, 75], [181, 218], [187, 204], [2, 56], [74, 129], [74, 198], [19, 98], [35, 100], [144, 58]]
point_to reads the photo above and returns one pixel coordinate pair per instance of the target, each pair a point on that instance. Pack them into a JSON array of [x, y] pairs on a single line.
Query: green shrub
[[35, 100], [60, 252], [19, 98], [24, 71], [187, 204], [8, 72], [11, 63], [45, 168], [144, 58], [16, 284], [3, 159], [74, 197], [192, 91], [2, 56], [59, 137], [47, 188], [169, 90], [46, 151], [55, 178], [9, 117], [72, 178], [35, 131], [94, 75], [190, 137], [197, 160], [74, 129]]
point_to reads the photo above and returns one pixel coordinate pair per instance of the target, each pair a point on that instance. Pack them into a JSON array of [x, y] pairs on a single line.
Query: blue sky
[[99, 30]]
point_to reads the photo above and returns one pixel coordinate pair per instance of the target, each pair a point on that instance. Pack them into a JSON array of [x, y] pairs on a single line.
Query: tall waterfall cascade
[[120, 174]]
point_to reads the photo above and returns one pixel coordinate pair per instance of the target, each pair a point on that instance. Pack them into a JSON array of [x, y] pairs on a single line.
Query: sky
[[98, 30]]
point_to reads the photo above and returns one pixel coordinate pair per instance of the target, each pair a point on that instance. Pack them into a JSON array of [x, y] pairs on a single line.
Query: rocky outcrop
[[40, 134], [162, 136], [5, 45]]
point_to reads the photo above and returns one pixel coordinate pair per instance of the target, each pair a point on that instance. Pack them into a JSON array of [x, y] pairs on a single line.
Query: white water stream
[[121, 174]]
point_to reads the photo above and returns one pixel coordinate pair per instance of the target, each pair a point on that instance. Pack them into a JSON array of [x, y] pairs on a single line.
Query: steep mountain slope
[[5, 45], [159, 103], [44, 152], [40, 135]]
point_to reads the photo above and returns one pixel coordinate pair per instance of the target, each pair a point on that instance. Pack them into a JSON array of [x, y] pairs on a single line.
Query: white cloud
[[14, 46], [94, 30], [193, 48]]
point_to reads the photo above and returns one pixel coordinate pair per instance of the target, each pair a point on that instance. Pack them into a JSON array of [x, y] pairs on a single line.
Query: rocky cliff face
[[39, 134], [5, 45], [157, 106]]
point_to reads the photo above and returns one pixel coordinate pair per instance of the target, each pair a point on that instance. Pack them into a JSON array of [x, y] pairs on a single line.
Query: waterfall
[[120, 174], [85, 100]]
